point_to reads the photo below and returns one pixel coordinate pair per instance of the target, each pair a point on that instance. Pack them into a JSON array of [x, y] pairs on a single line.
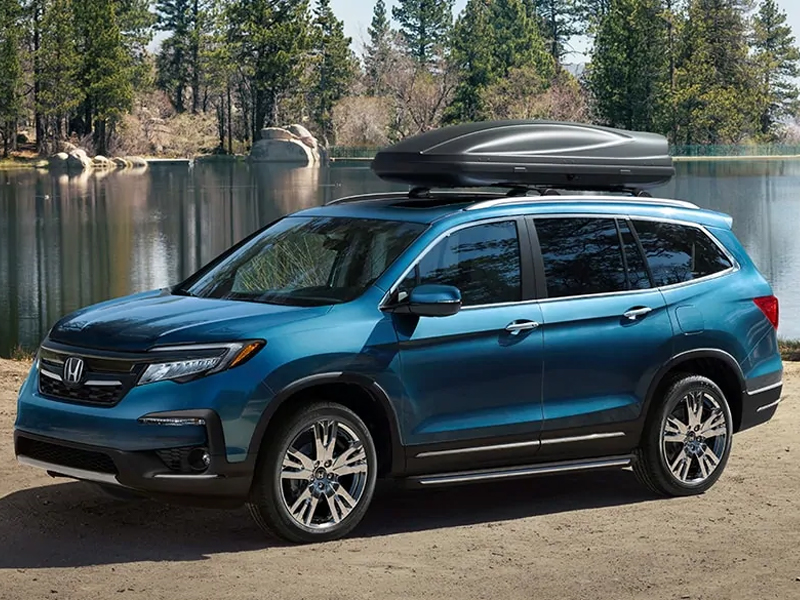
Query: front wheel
[[687, 442], [316, 477]]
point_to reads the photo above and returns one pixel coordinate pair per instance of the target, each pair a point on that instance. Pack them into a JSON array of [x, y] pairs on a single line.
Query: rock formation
[[294, 145]]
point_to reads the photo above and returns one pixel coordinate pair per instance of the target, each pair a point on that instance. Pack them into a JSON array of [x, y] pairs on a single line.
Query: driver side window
[[482, 261]]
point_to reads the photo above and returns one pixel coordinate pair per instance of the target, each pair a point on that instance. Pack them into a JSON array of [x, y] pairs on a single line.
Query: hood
[[137, 323]]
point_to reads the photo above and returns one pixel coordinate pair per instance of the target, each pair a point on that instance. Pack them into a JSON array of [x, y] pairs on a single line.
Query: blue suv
[[435, 338]]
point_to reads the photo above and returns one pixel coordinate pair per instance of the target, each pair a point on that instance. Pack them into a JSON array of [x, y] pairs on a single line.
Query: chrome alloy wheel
[[694, 437], [324, 474]]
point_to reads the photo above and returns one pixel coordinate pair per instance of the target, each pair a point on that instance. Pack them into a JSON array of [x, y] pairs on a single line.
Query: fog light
[[199, 459]]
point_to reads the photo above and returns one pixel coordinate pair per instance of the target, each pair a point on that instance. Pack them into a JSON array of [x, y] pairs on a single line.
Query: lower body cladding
[[200, 474]]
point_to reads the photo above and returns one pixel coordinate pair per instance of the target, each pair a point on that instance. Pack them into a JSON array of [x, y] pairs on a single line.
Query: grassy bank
[[790, 349]]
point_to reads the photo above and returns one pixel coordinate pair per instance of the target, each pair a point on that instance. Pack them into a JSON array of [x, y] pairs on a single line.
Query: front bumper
[[143, 471]]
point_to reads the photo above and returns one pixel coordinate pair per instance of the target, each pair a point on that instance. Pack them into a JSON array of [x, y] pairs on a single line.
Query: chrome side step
[[522, 471]]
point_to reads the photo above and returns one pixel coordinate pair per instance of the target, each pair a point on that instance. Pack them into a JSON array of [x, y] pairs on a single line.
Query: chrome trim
[[106, 478], [588, 198], [765, 389], [635, 313], [768, 406], [469, 450], [103, 383], [172, 421], [525, 471], [513, 445], [185, 477], [49, 374], [515, 328], [584, 438]]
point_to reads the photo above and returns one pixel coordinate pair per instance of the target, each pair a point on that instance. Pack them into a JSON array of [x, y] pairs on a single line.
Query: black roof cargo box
[[528, 154]]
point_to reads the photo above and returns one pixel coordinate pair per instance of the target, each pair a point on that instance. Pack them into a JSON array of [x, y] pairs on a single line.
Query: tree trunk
[[230, 121], [38, 118], [196, 58], [100, 136]]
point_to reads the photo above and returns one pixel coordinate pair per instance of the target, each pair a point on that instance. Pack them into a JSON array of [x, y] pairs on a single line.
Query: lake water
[[70, 241]]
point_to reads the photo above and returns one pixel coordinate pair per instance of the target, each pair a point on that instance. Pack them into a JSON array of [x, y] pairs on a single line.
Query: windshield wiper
[[182, 292]]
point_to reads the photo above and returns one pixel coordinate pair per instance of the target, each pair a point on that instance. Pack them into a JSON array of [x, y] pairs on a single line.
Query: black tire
[[653, 458], [271, 494]]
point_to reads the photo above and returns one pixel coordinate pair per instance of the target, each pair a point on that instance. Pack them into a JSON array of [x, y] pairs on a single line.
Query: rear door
[[606, 331]]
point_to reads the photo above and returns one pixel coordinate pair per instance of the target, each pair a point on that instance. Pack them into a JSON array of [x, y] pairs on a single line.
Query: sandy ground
[[595, 536]]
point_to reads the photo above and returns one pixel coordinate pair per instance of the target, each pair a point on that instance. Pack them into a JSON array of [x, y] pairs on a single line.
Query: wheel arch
[[718, 365], [355, 391]]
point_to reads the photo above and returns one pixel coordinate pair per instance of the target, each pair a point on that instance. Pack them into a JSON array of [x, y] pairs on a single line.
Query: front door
[[474, 380], [606, 330]]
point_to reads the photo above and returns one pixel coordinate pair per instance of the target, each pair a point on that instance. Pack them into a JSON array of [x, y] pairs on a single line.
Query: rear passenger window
[[678, 253], [584, 256], [482, 261]]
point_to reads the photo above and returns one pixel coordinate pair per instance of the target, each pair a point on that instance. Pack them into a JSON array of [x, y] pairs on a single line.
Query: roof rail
[[557, 199], [416, 194]]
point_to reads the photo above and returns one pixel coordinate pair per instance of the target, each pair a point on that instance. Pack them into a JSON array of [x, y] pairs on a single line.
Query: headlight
[[198, 360]]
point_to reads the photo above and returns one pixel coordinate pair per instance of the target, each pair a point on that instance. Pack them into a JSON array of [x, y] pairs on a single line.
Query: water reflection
[[69, 241]]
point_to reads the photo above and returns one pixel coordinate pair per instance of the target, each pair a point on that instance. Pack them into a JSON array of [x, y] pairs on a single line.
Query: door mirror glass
[[434, 300]]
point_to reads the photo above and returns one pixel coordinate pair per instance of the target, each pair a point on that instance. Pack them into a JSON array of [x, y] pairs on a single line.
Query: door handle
[[635, 313], [516, 326]]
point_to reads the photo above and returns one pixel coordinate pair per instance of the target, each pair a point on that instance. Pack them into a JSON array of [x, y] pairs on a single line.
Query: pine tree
[[136, 22], [106, 74], [474, 51], [424, 26], [491, 39], [334, 66], [270, 42], [558, 21], [10, 71], [716, 94], [379, 52], [591, 13], [179, 61], [777, 58], [59, 65], [518, 40], [629, 72], [174, 57]]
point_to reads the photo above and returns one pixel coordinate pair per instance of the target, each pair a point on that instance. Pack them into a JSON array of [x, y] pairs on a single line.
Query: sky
[[357, 15]]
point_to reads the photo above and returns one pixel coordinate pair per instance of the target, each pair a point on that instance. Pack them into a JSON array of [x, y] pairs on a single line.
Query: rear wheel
[[687, 442], [316, 477]]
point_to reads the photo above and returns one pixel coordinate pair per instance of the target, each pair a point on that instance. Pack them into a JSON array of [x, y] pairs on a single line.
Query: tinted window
[[638, 277], [308, 261], [581, 256], [678, 253], [482, 261]]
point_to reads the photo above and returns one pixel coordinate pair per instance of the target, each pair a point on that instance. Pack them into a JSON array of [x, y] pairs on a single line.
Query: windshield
[[308, 261]]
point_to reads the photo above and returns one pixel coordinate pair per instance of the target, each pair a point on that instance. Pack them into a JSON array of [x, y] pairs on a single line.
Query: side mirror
[[434, 301]]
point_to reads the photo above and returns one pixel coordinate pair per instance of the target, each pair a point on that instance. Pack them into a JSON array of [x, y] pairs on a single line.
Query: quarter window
[[678, 253], [483, 262]]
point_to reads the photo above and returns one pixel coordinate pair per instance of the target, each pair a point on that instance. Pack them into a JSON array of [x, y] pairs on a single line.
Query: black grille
[[176, 459], [85, 394], [118, 382], [66, 456]]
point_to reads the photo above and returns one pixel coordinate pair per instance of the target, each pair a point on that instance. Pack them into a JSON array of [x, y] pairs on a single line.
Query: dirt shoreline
[[597, 536]]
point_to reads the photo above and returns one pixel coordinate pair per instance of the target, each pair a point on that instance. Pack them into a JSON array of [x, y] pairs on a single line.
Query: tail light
[[769, 306]]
